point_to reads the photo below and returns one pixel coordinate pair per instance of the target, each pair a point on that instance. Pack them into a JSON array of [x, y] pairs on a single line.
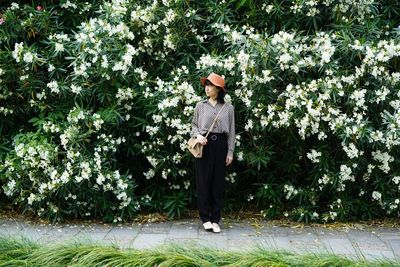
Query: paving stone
[[61, 234], [369, 245], [361, 235], [377, 254], [185, 222], [245, 244], [395, 245], [181, 241], [202, 232], [35, 233], [5, 223], [284, 231], [330, 233], [11, 231], [144, 240], [156, 228], [308, 243], [387, 233], [183, 231], [93, 233], [123, 232], [215, 240], [339, 246], [242, 232]]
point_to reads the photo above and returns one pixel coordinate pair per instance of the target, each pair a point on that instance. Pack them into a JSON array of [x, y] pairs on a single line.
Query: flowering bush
[[93, 90]]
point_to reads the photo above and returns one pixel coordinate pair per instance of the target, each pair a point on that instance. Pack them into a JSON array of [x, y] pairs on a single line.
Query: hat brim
[[203, 82]]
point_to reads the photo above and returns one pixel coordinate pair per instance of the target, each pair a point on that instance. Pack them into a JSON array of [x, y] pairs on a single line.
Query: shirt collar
[[208, 102]]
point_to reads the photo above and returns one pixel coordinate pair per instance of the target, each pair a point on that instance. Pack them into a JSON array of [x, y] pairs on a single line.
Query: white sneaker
[[207, 226], [215, 228]]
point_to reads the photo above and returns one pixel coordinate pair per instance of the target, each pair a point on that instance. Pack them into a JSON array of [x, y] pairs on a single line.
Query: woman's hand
[[202, 140], [228, 160]]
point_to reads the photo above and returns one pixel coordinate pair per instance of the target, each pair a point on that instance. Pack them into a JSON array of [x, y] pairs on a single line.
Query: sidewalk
[[374, 243]]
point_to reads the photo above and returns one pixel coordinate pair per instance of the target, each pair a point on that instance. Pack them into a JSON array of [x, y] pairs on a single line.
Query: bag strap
[[215, 119]]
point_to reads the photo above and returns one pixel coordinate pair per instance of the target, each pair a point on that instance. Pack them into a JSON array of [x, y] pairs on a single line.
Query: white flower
[[59, 47], [396, 179], [243, 60], [98, 122], [267, 8], [249, 125], [14, 6], [68, 4], [324, 180], [285, 58], [383, 158], [231, 177], [10, 187], [149, 174], [240, 156], [376, 195], [289, 190], [359, 97], [53, 85], [345, 173], [314, 155], [100, 179], [50, 68], [76, 89], [18, 48], [168, 42], [352, 151], [31, 198], [381, 94], [165, 173], [28, 57]]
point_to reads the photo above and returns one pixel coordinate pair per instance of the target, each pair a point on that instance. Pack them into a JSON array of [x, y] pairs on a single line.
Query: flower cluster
[[47, 172]]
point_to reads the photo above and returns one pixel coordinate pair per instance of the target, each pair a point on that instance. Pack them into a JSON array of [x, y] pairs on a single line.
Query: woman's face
[[211, 89]]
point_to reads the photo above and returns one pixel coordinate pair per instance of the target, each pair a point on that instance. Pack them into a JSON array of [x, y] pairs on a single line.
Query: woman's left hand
[[228, 160]]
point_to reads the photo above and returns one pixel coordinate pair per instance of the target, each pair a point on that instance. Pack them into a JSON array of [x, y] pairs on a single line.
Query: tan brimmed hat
[[215, 79]]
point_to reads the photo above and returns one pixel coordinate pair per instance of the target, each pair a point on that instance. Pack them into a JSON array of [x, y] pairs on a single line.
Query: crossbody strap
[[215, 119]]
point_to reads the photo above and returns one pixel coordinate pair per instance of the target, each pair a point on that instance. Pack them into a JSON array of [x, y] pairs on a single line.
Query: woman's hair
[[221, 95]]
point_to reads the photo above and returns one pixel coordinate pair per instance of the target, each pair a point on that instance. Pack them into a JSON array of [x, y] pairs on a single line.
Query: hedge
[[97, 99]]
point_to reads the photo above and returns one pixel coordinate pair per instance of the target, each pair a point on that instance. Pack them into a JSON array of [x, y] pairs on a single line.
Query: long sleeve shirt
[[203, 117]]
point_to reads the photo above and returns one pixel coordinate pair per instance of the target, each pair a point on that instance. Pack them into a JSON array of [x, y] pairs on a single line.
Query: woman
[[217, 151]]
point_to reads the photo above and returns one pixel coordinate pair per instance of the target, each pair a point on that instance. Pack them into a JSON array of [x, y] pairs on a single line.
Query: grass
[[26, 253]]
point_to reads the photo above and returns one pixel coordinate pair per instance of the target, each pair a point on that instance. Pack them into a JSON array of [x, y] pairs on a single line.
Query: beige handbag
[[194, 146]]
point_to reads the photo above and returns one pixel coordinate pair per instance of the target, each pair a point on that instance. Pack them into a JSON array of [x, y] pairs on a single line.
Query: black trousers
[[210, 177]]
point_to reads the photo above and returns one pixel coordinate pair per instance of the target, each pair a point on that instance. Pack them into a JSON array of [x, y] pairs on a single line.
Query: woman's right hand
[[202, 139]]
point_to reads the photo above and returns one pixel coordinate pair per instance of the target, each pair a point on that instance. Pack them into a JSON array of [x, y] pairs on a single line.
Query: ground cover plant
[[17, 253]]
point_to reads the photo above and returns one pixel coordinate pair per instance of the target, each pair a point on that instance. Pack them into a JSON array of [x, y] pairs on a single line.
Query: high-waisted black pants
[[210, 177]]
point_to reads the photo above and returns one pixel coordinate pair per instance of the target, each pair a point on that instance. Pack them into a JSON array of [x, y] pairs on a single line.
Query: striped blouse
[[204, 114]]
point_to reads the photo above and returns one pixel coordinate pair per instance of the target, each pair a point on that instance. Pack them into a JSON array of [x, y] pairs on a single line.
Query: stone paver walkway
[[373, 243]]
